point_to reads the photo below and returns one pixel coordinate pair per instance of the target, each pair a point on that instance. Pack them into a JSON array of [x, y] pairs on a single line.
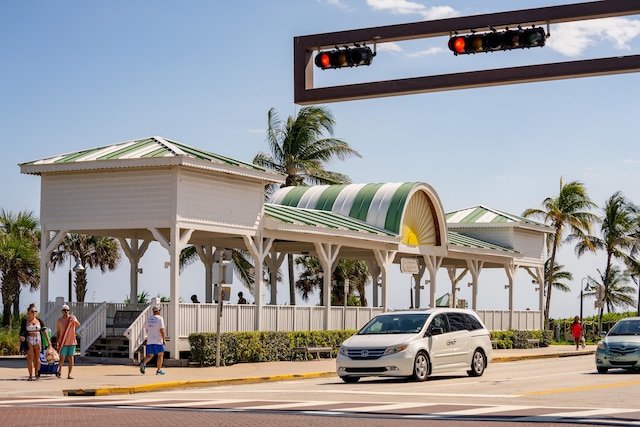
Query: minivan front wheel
[[478, 363], [421, 367]]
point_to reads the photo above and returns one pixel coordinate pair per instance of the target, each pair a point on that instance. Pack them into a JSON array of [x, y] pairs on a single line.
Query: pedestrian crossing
[[402, 410]]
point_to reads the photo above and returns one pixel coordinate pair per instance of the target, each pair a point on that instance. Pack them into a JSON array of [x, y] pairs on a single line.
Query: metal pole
[[638, 283], [70, 280], [219, 297]]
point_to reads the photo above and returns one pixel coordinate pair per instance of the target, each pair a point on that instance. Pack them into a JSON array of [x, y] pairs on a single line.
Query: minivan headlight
[[344, 351], [395, 349], [601, 345]]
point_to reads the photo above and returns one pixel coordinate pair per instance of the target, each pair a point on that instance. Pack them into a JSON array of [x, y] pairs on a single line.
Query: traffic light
[[347, 57], [497, 40]]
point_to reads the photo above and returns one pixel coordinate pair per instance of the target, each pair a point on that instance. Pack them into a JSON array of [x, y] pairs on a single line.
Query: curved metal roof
[[408, 209]]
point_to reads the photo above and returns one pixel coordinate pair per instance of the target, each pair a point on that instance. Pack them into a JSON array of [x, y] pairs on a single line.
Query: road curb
[[106, 391], [540, 356]]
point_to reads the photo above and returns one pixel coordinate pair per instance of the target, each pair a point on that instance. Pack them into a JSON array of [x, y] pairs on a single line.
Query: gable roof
[[145, 152], [482, 216]]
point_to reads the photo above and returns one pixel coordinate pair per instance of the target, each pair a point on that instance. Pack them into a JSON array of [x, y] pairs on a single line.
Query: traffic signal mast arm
[[305, 47]]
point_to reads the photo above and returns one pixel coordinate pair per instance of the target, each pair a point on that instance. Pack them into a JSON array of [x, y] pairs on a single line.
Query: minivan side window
[[473, 322], [458, 322], [440, 321]]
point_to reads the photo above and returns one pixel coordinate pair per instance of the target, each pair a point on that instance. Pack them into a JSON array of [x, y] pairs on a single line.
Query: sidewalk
[[96, 379]]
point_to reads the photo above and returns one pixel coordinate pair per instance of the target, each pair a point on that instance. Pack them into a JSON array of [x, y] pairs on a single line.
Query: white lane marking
[[591, 412], [483, 410], [389, 407], [290, 405]]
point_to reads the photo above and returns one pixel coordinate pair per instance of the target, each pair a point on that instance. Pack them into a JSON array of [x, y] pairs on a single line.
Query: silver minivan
[[416, 344]]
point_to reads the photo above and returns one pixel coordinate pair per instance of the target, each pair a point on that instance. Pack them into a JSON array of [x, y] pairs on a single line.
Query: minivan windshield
[[400, 323]]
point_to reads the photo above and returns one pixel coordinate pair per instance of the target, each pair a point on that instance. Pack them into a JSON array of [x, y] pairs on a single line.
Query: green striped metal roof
[[459, 239], [484, 215], [320, 218], [380, 205], [151, 147]]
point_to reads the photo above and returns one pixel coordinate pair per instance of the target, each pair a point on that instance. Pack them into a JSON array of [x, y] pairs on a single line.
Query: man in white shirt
[[155, 340]]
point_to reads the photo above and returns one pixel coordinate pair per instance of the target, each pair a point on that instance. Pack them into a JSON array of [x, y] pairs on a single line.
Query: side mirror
[[435, 331]]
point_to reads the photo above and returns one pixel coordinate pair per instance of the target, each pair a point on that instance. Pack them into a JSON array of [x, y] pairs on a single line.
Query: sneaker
[[142, 367], [160, 372]]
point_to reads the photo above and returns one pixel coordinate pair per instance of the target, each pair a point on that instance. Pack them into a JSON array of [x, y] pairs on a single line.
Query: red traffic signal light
[[347, 57], [497, 40]]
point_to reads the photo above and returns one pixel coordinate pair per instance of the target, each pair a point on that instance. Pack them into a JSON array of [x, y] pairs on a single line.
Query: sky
[[80, 75]]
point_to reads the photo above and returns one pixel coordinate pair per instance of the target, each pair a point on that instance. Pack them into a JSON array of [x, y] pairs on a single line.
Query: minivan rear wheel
[[478, 363], [421, 367]]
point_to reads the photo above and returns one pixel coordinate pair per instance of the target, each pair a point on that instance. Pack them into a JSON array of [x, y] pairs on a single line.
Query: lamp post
[[76, 268]]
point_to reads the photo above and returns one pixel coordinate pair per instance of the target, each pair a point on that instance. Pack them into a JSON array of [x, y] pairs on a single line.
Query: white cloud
[[404, 7], [426, 52], [334, 3], [389, 47], [573, 38], [632, 161]]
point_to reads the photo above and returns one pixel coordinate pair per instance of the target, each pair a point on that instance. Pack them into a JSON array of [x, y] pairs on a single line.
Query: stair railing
[[135, 333], [93, 328]]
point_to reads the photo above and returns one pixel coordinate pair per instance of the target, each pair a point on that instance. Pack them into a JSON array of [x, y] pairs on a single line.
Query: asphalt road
[[529, 392]]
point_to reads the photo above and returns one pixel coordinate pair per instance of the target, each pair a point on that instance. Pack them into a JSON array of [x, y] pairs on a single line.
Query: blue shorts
[[155, 348], [68, 350]]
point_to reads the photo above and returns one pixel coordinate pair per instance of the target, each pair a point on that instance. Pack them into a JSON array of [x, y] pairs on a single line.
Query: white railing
[[136, 334], [523, 320], [92, 328]]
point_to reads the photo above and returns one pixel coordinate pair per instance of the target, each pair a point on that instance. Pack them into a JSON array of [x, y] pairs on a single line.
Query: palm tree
[[559, 277], [299, 150], [240, 259], [620, 228], [570, 209], [91, 252], [617, 293], [19, 258], [355, 271]]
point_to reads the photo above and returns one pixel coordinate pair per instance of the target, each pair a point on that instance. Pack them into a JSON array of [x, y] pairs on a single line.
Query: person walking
[[30, 329], [66, 339], [155, 340], [576, 331]]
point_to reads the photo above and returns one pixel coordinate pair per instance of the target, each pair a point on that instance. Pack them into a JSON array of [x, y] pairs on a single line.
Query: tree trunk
[[81, 285]]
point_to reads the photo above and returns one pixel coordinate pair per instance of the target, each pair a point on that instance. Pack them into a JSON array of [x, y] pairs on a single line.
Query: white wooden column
[[432, 263], [47, 245], [207, 255], [384, 259], [451, 271], [274, 260], [177, 241], [328, 255], [258, 248], [511, 271], [475, 267], [133, 253]]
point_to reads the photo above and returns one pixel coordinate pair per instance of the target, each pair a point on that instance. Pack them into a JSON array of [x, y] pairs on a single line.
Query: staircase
[[111, 347]]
